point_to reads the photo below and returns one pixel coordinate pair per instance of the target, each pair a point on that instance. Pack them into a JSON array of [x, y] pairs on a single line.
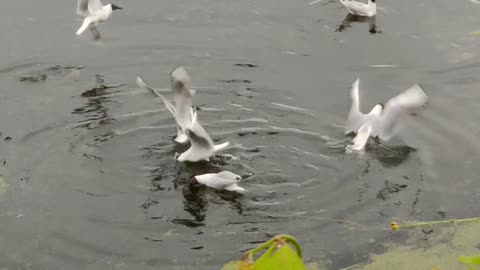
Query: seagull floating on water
[[94, 12], [182, 93], [383, 120], [359, 8], [222, 180], [202, 146]]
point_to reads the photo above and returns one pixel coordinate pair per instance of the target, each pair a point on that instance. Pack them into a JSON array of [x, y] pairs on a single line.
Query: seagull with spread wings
[[383, 121], [94, 12], [182, 94]]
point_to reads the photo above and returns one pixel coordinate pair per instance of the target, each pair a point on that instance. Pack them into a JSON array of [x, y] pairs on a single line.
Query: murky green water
[[92, 179]]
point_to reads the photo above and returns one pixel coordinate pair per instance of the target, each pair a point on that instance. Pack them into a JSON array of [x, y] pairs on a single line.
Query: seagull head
[[114, 7]]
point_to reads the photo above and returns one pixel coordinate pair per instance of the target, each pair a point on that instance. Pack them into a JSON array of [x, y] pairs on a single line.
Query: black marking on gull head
[[114, 7], [373, 1]]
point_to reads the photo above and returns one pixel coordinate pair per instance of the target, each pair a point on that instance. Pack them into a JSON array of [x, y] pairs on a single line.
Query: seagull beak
[[114, 7]]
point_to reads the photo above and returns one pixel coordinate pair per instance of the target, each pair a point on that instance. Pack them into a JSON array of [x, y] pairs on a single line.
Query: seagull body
[[359, 8], [383, 120], [94, 12], [222, 180], [182, 94], [202, 146]]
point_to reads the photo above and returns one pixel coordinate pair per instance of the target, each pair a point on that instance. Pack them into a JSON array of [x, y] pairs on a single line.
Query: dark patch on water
[[235, 81], [390, 188], [41, 75], [246, 65]]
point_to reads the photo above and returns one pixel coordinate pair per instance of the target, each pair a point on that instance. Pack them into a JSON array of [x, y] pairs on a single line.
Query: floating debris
[[3, 185]]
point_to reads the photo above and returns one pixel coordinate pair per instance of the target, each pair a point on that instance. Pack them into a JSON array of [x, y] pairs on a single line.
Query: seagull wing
[[82, 8], [170, 107], [198, 136], [355, 117], [94, 6], [216, 180], [408, 102], [361, 139]]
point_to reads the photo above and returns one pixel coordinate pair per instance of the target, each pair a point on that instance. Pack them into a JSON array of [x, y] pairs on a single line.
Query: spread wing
[[408, 102], [94, 6], [82, 8], [355, 117]]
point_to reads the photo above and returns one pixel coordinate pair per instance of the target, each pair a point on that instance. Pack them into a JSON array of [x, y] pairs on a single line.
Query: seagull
[[359, 8], [202, 146], [94, 12], [222, 180], [383, 120], [182, 92]]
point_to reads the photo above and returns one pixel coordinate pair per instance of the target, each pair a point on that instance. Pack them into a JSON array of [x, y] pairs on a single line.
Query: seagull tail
[[84, 26], [220, 147]]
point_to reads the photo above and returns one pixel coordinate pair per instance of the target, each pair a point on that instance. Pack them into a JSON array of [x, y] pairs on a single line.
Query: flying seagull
[[359, 8], [383, 120], [182, 93], [202, 146], [222, 180], [94, 12]]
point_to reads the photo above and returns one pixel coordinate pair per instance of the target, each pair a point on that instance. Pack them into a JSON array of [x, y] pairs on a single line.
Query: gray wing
[[229, 175], [170, 107], [94, 6], [408, 102], [82, 8], [95, 32], [199, 137]]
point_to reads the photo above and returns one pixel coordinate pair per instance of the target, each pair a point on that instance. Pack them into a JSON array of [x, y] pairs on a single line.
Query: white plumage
[[359, 8], [94, 12], [222, 180], [383, 120]]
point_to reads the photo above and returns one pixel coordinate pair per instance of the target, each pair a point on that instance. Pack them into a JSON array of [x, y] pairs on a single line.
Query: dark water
[[93, 183]]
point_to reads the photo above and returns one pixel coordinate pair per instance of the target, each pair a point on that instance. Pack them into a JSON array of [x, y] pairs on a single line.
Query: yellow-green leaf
[[3, 185], [282, 257], [473, 260]]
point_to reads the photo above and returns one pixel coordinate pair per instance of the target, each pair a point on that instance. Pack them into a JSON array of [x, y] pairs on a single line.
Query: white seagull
[[359, 8], [182, 93], [222, 180], [383, 120], [94, 12], [202, 146]]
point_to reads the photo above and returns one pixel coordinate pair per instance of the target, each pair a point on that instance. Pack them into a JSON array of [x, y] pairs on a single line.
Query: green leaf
[[472, 260], [3, 185], [280, 257]]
